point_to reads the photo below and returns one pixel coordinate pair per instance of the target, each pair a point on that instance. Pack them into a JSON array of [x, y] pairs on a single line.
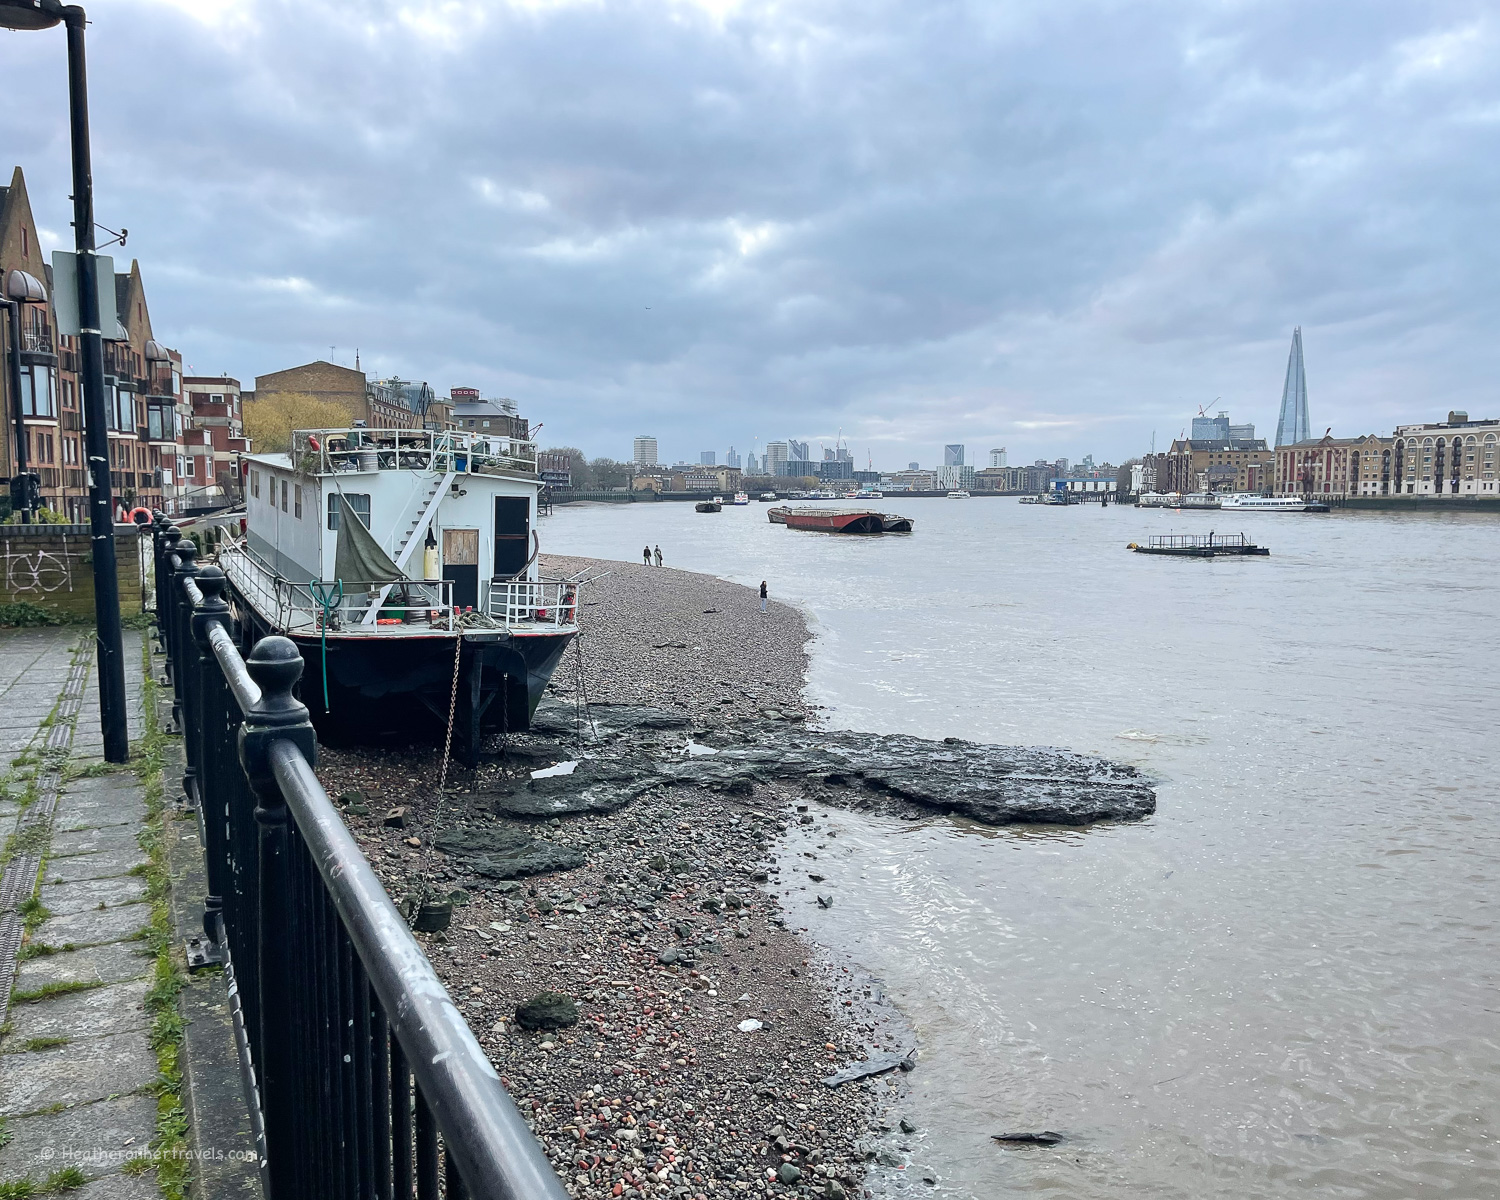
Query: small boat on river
[[778, 514], [1200, 545], [709, 506], [836, 520], [766, 497], [1245, 502], [741, 498]]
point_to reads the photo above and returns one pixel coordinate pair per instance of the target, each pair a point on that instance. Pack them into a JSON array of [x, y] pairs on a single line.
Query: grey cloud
[[1051, 226]]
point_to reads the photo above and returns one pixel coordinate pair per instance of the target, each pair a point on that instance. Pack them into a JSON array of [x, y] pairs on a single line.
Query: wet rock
[[547, 1010], [1045, 1138], [396, 817], [876, 1064], [497, 852], [788, 1174], [996, 785]]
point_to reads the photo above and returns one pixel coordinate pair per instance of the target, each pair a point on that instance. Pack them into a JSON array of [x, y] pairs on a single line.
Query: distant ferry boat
[[960, 495], [766, 497], [1206, 501], [1253, 503], [741, 498], [867, 494]]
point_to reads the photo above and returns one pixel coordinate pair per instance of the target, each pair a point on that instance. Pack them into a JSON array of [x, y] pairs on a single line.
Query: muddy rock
[[499, 852], [547, 1010]]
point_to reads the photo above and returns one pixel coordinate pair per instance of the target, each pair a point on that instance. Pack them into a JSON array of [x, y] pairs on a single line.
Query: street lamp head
[[25, 288], [30, 14]]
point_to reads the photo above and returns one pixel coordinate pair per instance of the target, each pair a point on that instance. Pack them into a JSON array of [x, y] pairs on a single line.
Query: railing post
[[213, 699], [276, 666], [182, 651], [166, 613]]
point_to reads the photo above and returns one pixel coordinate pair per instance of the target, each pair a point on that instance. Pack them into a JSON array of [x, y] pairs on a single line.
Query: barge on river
[[403, 563], [1200, 545], [839, 520]]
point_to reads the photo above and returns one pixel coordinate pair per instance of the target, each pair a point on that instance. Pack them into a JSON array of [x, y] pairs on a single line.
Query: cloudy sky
[[1051, 225]]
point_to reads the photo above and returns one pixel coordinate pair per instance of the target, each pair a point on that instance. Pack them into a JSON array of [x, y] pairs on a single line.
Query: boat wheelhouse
[[404, 565]]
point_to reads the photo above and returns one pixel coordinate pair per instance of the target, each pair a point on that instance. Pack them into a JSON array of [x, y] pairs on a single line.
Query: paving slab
[[102, 894], [94, 839], [89, 926], [98, 1138], [97, 1012], [77, 1073], [100, 864], [120, 1187], [110, 963]]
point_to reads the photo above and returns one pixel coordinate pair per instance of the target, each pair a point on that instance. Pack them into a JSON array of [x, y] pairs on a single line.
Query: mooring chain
[[458, 647]]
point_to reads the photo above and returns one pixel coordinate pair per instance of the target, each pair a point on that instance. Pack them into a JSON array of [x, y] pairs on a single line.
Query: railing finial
[[186, 550], [275, 664], [214, 609]]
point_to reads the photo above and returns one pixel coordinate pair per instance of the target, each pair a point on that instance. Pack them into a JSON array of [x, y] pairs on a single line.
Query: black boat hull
[[402, 687]]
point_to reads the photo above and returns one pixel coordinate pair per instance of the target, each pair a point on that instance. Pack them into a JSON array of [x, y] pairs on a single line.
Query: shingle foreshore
[[705, 1021]]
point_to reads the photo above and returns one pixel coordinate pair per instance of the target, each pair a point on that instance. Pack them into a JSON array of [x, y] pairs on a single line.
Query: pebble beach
[[657, 1012]]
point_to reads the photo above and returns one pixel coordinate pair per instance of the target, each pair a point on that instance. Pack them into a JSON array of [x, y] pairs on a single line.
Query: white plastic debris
[[562, 768]]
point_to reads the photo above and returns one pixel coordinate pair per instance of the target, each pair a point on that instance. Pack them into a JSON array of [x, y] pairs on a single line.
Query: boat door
[[461, 565], [512, 535]]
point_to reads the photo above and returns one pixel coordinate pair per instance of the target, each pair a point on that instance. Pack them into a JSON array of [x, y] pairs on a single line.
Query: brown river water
[[1284, 983]]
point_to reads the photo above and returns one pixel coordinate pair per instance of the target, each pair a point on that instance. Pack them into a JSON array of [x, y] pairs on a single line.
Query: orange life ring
[[136, 515]]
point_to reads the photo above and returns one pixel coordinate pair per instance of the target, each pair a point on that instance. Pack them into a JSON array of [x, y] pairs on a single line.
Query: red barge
[[845, 520]]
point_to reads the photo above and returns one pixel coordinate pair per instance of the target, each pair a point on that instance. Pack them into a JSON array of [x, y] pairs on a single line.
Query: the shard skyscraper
[[1294, 425]]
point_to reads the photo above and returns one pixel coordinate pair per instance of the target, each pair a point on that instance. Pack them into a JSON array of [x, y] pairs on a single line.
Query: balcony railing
[[361, 1077], [337, 451]]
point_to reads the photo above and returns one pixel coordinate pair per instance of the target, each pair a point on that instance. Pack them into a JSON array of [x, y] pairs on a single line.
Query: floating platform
[[708, 506], [1201, 545]]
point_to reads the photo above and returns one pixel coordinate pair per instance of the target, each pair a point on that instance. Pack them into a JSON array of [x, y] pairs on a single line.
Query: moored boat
[[741, 498], [1246, 502], [958, 495], [766, 497], [778, 514], [709, 506], [403, 563], [1200, 545], [891, 523], [835, 520]]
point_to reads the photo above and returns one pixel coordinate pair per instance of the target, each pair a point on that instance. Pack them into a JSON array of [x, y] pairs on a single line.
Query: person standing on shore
[[658, 556], [762, 595], [646, 556]]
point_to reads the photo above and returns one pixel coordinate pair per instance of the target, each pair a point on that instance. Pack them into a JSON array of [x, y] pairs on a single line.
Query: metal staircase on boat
[[415, 535]]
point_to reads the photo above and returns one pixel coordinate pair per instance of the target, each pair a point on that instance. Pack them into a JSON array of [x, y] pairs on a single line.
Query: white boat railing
[[342, 451], [527, 603], [518, 605]]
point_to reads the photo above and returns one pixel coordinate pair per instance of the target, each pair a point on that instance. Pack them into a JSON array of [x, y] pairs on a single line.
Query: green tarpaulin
[[358, 558]]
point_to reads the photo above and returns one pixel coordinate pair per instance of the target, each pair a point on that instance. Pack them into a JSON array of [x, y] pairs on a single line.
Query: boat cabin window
[[284, 490], [255, 486], [358, 504], [297, 501]]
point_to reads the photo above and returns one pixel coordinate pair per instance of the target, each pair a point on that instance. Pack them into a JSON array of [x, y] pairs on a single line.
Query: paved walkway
[[77, 1067]]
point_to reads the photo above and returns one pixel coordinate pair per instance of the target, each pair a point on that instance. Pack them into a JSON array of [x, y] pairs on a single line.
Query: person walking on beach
[[762, 595], [646, 556], [658, 556]]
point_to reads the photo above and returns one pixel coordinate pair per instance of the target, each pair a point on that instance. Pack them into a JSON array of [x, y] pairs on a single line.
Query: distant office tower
[[644, 452], [842, 455], [776, 456], [1211, 429], [794, 449], [1061, 467], [707, 458], [732, 459], [997, 457], [752, 464], [1294, 425], [953, 456], [1242, 433], [913, 467]]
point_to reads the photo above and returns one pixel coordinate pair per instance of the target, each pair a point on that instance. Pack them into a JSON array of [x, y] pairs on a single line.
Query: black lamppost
[[44, 14]]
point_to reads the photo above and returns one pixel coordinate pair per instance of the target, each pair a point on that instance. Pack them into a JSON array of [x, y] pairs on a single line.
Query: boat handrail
[[356, 450]]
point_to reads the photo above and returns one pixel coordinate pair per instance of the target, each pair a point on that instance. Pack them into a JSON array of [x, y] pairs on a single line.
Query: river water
[[1283, 984]]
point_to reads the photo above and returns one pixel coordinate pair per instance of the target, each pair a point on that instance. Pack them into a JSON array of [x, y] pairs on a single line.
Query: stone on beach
[[547, 1010], [498, 852]]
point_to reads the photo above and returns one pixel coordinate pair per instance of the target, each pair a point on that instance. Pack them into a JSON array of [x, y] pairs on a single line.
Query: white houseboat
[[406, 560]]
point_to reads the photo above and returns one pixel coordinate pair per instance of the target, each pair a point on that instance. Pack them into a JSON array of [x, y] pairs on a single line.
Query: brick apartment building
[[145, 411], [380, 403]]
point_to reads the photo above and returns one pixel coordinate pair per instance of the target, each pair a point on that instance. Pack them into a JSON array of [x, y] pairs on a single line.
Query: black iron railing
[[363, 1079]]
